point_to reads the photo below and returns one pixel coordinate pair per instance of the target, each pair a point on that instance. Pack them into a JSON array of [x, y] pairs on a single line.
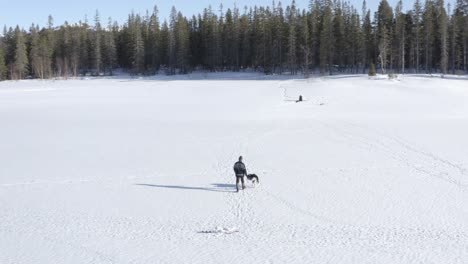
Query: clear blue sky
[[26, 12]]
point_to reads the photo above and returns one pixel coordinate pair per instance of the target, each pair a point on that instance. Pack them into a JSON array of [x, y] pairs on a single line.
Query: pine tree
[[368, 41], [292, 37], [9, 49], [417, 32], [182, 44], [282, 38], [74, 50], [3, 68], [218, 26], [61, 50], [357, 47], [173, 41], [384, 33], [263, 40], [457, 36], [164, 47], [256, 38], [20, 66], [155, 39], [196, 48], [84, 48], [228, 41], [326, 39], [305, 44], [138, 47], [109, 49], [34, 57], [465, 36], [314, 29], [97, 45], [235, 44], [245, 45], [339, 40], [39, 55], [442, 32], [210, 39], [51, 43], [428, 25], [400, 36]]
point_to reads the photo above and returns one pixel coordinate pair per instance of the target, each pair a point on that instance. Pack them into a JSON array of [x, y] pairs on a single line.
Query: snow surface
[[125, 170]]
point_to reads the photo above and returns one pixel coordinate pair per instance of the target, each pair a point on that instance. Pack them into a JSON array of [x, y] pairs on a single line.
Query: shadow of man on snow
[[216, 187]]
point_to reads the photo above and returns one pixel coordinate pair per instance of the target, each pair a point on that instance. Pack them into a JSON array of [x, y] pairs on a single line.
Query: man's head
[[240, 158]]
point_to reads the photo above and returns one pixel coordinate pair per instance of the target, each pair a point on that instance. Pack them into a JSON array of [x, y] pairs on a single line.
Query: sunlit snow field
[[139, 170]]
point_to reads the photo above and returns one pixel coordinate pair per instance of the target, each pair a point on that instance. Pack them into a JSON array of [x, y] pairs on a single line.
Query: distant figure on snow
[[300, 99], [240, 171]]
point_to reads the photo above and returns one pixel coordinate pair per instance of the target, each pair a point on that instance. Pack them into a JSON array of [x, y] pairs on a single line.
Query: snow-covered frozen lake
[[140, 170]]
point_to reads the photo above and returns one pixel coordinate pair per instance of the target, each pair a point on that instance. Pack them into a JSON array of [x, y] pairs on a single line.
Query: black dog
[[253, 178]]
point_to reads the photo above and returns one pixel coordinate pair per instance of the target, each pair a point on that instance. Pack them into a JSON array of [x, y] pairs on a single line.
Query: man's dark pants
[[240, 179]]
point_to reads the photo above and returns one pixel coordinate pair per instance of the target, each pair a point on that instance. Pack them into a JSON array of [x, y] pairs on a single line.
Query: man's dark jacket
[[239, 169]]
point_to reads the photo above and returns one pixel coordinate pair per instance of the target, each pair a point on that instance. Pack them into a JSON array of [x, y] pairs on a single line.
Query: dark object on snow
[[300, 99], [253, 178], [240, 171]]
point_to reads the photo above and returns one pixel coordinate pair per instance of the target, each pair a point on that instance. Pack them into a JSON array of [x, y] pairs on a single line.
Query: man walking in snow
[[240, 171]]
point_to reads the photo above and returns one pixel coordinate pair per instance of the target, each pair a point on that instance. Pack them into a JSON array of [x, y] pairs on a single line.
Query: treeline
[[328, 37]]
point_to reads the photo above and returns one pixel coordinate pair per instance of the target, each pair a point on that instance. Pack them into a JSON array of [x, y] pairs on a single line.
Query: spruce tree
[[326, 39], [417, 11], [39, 55], [97, 45], [465, 36], [305, 44], [63, 50], [228, 39], [155, 40], [84, 48], [442, 35], [164, 46], [368, 55], [384, 33], [358, 52], [314, 31], [138, 47], [400, 36], [74, 51], [109, 49], [428, 25], [457, 36], [245, 44], [235, 45], [339, 38], [34, 54], [218, 26], [3, 68], [20, 65], [51, 42], [182, 44], [173, 41], [292, 37]]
